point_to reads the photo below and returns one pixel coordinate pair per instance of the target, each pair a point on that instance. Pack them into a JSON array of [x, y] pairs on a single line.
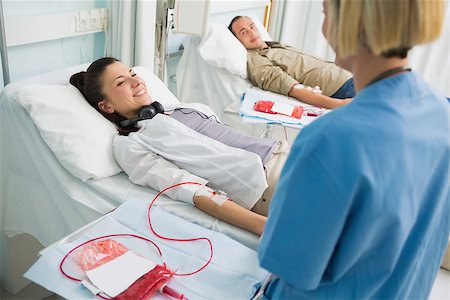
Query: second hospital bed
[[213, 70]]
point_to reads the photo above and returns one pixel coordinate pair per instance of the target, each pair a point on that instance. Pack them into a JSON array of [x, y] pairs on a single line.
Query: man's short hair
[[230, 27]]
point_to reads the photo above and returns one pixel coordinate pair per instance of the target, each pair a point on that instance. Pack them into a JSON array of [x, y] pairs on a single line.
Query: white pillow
[[78, 135], [220, 48]]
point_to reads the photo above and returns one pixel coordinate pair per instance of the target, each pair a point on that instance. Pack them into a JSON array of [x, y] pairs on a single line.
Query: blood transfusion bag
[[148, 285], [271, 107], [97, 253]]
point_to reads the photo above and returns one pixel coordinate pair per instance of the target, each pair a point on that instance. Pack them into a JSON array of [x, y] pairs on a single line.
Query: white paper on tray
[[283, 103], [117, 275], [232, 273]]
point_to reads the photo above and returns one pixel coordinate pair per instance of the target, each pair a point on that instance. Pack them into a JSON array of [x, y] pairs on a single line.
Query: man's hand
[[342, 102], [306, 96]]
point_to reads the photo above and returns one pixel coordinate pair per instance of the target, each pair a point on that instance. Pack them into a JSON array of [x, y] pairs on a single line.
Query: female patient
[[185, 144]]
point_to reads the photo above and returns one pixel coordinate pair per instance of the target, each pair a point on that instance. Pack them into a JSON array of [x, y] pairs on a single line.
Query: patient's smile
[[140, 93]]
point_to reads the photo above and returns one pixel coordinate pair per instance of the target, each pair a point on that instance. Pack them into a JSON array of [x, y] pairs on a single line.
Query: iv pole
[[3, 48], [162, 45], [167, 4]]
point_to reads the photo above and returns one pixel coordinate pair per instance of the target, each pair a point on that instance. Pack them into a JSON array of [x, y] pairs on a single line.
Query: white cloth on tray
[[232, 273]]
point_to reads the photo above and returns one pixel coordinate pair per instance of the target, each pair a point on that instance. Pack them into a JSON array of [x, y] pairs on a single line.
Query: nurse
[[362, 208]]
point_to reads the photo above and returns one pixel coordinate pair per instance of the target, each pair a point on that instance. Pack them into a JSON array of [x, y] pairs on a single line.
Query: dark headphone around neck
[[146, 112]]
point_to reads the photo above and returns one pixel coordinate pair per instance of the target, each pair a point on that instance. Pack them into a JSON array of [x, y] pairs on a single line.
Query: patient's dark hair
[[89, 83], [230, 27]]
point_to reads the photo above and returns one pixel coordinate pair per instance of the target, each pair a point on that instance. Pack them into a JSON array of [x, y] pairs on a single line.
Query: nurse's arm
[[232, 213]]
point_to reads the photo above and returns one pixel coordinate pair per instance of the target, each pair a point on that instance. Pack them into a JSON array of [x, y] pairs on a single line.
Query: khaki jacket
[[279, 67]]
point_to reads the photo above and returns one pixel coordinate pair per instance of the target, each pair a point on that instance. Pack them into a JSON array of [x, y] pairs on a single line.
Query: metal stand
[[267, 133], [162, 43], [3, 48], [166, 5]]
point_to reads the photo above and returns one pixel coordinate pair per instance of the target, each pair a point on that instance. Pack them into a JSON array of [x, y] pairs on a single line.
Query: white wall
[[1, 77], [300, 25], [433, 60], [35, 58]]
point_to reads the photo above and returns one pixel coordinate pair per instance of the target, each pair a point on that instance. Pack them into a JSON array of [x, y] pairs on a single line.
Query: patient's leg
[[273, 170]]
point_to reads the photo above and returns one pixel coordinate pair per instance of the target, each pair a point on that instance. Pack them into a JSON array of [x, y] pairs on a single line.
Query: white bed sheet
[[40, 197], [198, 81]]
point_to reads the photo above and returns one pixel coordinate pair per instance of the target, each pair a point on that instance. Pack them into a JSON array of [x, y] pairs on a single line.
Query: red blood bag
[[148, 285], [97, 253], [271, 107]]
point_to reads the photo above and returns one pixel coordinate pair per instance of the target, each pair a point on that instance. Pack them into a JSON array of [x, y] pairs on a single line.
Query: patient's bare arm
[[232, 213], [316, 99]]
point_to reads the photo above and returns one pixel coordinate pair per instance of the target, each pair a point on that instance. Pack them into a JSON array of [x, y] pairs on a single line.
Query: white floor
[[30, 292], [441, 288]]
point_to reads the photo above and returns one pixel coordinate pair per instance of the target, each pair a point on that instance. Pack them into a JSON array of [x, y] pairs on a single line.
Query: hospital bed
[[58, 173], [213, 70], [219, 80]]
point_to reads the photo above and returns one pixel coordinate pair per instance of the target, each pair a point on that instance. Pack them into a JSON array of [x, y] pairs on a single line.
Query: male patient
[[285, 70]]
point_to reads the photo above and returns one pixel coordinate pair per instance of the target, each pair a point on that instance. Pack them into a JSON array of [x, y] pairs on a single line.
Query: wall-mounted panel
[[47, 35], [21, 30]]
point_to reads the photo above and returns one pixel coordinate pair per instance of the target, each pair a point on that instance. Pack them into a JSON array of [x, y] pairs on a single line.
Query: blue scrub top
[[362, 208]]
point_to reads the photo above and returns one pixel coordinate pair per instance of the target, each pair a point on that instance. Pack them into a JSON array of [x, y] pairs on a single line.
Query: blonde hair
[[386, 27]]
